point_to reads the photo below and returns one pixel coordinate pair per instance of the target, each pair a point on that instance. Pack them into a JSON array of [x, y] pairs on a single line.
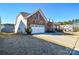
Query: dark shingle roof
[[24, 14]]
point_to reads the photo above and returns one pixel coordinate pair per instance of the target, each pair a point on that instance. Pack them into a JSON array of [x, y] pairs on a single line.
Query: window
[[37, 16]]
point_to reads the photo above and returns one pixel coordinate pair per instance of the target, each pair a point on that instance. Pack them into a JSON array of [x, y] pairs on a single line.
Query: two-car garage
[[38, 29]]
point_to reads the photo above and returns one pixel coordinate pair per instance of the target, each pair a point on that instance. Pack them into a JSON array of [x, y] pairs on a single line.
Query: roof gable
[[27, 15], [39, 10]]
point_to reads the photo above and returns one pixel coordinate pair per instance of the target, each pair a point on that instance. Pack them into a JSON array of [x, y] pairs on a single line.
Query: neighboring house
[[7, 28], [71, 28], [36, 20], [49, 26], [56, 27], [68, 28], [0, 24], [76, 26]]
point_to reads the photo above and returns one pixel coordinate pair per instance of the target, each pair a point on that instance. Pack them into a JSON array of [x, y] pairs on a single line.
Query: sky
[[54, 11]]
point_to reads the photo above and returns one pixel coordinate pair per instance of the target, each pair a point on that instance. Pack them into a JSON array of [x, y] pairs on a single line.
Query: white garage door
[[38, 29]]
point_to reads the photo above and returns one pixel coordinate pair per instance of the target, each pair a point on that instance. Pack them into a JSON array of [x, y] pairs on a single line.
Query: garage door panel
[[37, 29]]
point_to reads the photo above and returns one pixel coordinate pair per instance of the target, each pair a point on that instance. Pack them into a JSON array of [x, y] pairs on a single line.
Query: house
[[36, 20], [0, 24], [75, 26], [52, 27], [7, 28], [68, 28], [49, 26], [71, 28]]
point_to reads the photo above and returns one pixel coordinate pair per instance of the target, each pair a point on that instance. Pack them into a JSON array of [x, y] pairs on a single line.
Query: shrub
[[50, 31], [59, 30], [28, 30]]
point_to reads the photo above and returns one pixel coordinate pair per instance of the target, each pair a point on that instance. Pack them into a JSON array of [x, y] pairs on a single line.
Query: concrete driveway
[[64, 39]]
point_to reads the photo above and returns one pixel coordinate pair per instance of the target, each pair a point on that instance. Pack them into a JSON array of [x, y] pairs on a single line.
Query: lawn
[[29, 45]]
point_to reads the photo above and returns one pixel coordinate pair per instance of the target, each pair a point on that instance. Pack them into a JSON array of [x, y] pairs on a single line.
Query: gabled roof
[[39, 10], [27, 15]]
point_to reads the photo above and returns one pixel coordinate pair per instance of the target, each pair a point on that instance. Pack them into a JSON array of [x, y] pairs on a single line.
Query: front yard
[[33, 45]]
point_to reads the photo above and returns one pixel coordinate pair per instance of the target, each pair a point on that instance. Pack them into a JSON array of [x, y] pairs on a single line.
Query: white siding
[[19, 20], [21, 28]]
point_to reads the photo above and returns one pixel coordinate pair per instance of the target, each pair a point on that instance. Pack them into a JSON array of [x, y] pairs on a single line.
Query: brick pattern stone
[[36, 19]]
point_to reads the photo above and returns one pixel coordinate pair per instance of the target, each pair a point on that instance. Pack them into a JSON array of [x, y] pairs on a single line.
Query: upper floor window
[[37, 16]]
